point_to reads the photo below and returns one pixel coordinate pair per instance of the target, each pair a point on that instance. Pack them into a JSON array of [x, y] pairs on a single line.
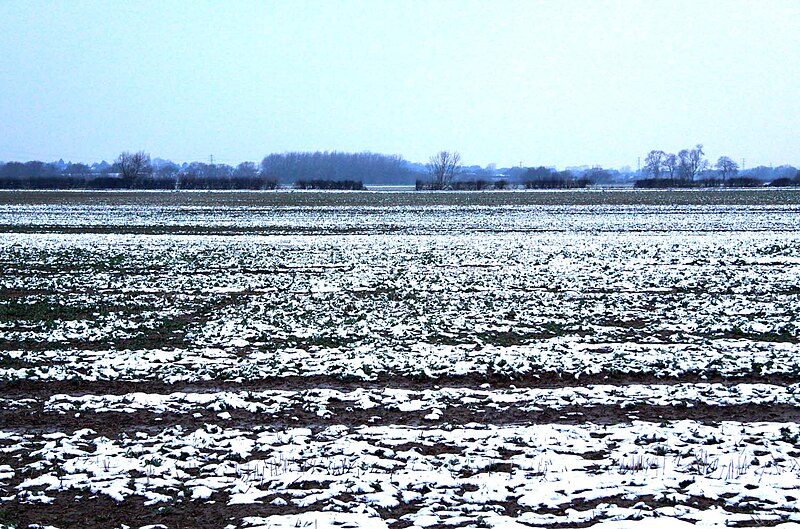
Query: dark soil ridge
[[18, 389], [82, 509], [112, 423]]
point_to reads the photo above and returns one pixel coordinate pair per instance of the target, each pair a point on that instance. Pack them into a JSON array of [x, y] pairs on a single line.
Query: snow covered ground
[[391, 366]]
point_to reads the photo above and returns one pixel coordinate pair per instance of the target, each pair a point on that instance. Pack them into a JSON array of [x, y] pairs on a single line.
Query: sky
[[555, 83]]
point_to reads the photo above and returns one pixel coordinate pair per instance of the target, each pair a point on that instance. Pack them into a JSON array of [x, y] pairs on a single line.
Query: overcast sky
[[542, 83]]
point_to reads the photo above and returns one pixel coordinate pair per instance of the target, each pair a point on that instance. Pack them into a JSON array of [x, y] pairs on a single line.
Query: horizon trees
[[693, 170], [691, 162], [367, 167], [687, 164], [375, 169], [671, 164], [726, 167], [546, 178], [443, 167], [135, 165], [654, 163]]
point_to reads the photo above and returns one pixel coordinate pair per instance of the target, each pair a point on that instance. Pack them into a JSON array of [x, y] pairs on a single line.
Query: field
[[390, 360]]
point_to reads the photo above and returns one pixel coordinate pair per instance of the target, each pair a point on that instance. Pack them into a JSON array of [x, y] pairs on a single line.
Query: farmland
[[514, 360]]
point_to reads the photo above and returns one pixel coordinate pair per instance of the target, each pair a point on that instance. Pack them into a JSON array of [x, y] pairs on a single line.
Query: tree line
[[136, 170], [689, 168], [301, 170], [351, 171], [132, 170], [446, 173], [365, 167]]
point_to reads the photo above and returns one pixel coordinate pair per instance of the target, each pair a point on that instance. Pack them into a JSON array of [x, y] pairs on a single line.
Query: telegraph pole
[[211, 159]]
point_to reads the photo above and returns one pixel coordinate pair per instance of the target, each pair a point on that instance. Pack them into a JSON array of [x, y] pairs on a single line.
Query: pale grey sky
[[552, 83]]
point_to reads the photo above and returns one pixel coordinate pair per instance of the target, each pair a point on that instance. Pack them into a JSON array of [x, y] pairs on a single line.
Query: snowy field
[[387, 360]]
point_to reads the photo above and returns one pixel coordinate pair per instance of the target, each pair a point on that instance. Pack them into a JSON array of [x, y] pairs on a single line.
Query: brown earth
[[87, 511], [18, 389], [113, 423]]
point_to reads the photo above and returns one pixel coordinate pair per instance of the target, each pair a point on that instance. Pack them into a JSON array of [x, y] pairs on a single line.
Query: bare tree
[[691, 162], [683, 163], [726, 167], [654, 163], [443, 168], [133, 165], [246, 170], [671, 164]]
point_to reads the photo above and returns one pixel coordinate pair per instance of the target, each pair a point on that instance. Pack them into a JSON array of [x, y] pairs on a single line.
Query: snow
[[610, 308], [317, 520]]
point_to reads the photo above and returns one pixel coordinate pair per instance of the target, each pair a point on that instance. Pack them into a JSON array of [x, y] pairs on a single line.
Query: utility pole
[[742, 164], [211, 160]]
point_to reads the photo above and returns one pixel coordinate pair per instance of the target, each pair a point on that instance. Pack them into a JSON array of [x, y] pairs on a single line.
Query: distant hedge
[[464, 185], [346, 185], [678, 183]]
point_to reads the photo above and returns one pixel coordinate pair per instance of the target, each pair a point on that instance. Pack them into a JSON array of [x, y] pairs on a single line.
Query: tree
[[597, 175], [683, 164], [368, 167], [726, 167], [246, 170], [538, 173], [168, 170], [671, 164], [691, 162], [133, 165], [78, 169], [653, 164], [443, 168]]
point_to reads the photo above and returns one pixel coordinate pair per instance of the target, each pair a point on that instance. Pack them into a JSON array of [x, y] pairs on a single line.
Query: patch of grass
[[788, 436], [7, 519]]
